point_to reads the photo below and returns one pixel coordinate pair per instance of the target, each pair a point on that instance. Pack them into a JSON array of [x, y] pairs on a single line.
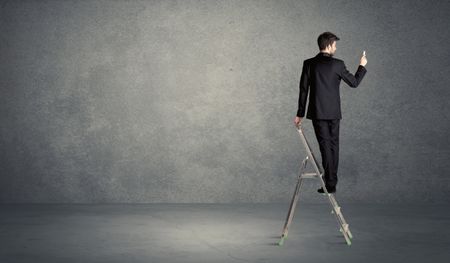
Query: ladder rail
[[309, 151]]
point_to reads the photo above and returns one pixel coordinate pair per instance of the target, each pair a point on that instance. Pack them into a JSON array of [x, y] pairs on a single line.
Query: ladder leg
[[336, 210], [341, 219], [293, 204]]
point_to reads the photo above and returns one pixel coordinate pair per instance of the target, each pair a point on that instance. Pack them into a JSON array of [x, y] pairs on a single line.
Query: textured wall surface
[[193, 101]]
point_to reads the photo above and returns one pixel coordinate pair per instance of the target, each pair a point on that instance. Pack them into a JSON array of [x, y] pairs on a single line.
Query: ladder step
[[338, 209], [309, 175], [345, 228]]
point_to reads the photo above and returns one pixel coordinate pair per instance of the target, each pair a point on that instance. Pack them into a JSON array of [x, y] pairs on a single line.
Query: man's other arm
[[304, 88]]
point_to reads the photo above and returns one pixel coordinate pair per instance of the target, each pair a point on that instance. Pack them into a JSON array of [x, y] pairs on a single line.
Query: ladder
[[336, 209]]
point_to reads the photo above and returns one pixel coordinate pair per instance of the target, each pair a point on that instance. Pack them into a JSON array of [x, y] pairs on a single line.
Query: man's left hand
[[297, 121]]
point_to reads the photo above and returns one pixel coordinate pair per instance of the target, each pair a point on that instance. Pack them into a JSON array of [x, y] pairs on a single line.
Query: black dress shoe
[[330, 190]]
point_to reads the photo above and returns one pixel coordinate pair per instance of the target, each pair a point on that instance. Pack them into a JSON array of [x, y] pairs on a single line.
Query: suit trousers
[[327, 134]]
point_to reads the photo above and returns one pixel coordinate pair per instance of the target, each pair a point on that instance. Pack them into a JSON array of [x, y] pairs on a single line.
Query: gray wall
[[193, 101]]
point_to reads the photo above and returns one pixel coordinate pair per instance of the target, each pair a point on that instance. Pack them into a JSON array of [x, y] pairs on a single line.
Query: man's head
[[327, 42]]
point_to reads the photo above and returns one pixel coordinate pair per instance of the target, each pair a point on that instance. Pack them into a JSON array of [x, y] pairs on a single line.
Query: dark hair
[[325, 39]]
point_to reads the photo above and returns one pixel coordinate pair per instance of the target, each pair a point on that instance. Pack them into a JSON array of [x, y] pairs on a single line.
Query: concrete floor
[[221, 233]]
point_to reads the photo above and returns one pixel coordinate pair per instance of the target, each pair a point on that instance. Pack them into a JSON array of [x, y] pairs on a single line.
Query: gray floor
[[221, 233]]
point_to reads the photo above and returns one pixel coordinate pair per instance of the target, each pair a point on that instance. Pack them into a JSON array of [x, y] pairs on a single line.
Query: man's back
[[322, 74]]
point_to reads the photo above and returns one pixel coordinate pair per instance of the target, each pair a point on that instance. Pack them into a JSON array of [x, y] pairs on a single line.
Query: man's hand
[[363, 60], [297, 121]]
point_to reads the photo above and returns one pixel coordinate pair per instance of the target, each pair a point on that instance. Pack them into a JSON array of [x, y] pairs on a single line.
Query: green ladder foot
[[283, 237], [281, 242]]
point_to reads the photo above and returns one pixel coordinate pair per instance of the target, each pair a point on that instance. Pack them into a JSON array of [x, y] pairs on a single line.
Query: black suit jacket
[[322, 75]]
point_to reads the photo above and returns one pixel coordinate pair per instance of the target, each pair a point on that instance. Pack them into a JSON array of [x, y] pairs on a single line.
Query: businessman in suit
[[321, 77]]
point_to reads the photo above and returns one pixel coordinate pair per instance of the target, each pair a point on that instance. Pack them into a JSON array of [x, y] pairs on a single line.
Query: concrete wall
[[193, 101]]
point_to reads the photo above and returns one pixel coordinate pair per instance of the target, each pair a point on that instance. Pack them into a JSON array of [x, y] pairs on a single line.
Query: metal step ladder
[[336, 209]]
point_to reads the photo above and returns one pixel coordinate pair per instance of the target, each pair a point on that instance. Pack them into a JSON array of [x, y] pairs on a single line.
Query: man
[[322, 75]]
